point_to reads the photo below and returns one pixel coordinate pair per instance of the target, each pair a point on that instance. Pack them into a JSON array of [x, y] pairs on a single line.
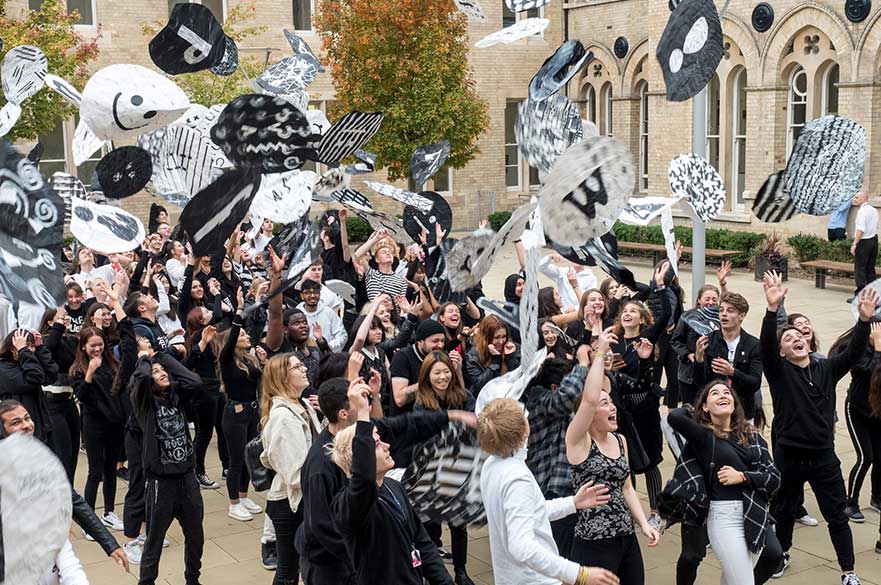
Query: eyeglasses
[[299, 366]]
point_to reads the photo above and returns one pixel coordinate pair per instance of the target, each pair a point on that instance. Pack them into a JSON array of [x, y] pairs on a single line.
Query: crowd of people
[[322, 397]]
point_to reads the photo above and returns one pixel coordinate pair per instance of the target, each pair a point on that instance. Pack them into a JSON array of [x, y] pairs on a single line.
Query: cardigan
[[287, 438]]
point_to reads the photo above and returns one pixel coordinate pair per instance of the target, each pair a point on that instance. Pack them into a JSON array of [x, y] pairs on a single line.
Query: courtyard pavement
[[232, 548]]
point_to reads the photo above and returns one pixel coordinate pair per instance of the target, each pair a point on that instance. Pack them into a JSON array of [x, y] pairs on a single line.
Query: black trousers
[[864, 262], [694, 548], [668, 361], [865, 433], [104, 441], [134, 512], [835, 234], [324, 574], [563, 529], [286, 523], [66, 431], [822, 470], [170, 499], [458, 540], [619, 554], [208, 410], [239, 427]]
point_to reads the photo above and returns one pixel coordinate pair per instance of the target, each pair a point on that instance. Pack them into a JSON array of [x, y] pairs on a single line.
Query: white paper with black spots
[[694, 179], [347, 135], [826, 165], [642, 210], [534, 235], [330, 182], [284, 197], [522, 29], [318, 121], [85, 143], [773, 204], [529, 309], [404, 196], [558, 69], [545, 129], [9, 115], [35, 507], [586, 190], [669, 238], [440, 214], [122, 101], [690, 48], [185, 160], [203, 121], [427, 160], [105, 228], [63, 88], [471, 9], [366, 163], [23, 72]]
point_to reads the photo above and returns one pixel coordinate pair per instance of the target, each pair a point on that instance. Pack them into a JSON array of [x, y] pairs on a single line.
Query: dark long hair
[[741, 430], [547, 307], [81, 361], [193, 325], [426, 396], [815, 343], [6, 345]]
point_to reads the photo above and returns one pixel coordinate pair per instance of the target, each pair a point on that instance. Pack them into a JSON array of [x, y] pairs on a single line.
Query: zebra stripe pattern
[[773, 204], [349, 134], [23, 71]]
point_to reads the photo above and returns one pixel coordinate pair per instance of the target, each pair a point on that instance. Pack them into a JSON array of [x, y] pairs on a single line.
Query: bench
[[659, 251], [823, 267]]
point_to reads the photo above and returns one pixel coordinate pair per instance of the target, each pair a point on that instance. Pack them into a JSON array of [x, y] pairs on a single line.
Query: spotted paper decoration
[[547, 128], [690, 48], [694, 179]]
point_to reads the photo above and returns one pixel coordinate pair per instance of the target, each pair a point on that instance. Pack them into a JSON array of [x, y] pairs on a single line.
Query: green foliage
[[810, 247], [206, 88], [52, 30], [358, 229], [498, 219], [750, 243], [409, 60]]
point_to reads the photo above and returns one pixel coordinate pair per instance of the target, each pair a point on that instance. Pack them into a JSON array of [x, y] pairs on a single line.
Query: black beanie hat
[[428, 328]]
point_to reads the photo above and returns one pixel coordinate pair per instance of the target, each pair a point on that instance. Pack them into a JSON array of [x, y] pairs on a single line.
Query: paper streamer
[[669, 238]]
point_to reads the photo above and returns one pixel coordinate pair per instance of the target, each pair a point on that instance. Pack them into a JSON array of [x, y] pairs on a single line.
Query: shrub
[[749, 243], [498, 219], [810, 247], [358, 229]]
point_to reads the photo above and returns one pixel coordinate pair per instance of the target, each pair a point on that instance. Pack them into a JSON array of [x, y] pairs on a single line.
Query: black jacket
[[747, 377], [683, 342], [97, 397], [380, 529], [23, 380], [62, 348], [477, 375], [91, 524]]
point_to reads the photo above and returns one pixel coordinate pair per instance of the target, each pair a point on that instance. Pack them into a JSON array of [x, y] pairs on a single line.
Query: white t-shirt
[[106, 272], [732, 348], [867, 221]]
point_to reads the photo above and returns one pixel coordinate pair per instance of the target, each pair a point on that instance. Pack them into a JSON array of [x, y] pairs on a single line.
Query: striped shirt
[[378, 282]]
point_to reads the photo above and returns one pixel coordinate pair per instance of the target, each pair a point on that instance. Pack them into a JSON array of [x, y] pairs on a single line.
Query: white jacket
[[520, 539], [67, 569], [287, 438]]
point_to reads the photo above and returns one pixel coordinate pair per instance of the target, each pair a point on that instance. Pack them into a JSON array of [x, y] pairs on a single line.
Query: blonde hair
[[502, 427], [386, 242], [276, 382], [341, 449]]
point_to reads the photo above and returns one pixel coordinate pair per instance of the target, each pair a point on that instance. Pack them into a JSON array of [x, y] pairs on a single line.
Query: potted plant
[[771, 259]]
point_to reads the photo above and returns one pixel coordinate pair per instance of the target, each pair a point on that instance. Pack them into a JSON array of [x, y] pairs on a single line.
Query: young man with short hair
[[324, 323]]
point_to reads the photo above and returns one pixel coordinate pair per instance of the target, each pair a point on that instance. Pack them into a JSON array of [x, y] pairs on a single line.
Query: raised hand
[[208, 333], [439, 232], [644, 348], [774, 291], [510, 348], [316, 331], [456, 360], [876, 335], [276, 264], [94, 364], [660, 271], [700, 349], [214, 286], [19, 339], [868, 303], [344, 214], [356, 360], [606, 340], [723, 271], [375, 383]]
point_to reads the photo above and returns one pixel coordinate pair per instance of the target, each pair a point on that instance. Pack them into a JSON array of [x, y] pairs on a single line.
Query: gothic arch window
[[714, 121], [738, 138], [797, 105], [606, 102], [830, 89], [642, 90]]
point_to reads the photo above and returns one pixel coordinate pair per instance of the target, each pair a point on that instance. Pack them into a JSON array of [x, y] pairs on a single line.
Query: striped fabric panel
[[349, 134], [773, 204]]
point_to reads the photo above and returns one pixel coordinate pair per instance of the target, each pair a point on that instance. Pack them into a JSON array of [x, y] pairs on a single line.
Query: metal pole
[[698, 233]]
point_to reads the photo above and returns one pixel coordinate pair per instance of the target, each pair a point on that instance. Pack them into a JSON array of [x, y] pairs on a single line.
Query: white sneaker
[[807, 520], [239, 512], [88, 537], [112, 521], [850, 579], [142, 539], [133, 551], [250, 506]]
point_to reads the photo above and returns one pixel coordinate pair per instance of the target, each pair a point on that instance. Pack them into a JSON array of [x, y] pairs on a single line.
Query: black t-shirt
[[406, 363], [78, 316], [335, 268]]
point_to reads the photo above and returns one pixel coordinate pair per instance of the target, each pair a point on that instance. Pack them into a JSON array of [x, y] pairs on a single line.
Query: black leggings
[[208, 410], [104, 440], [65, 420], [619, 554], [865, 433], [134, 510], [239, 427], [653, 485], [668, 362], [286, 523], [458, 539]]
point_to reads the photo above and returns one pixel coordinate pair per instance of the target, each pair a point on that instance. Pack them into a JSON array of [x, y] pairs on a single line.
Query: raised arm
[[577, 437], [364, 328], [344, 235], [364, 249], [275, 311], [774, 295], [352, 508], [840, 363]]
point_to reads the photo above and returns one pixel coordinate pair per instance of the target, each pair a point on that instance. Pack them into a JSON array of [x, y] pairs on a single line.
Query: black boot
[[461, 577]]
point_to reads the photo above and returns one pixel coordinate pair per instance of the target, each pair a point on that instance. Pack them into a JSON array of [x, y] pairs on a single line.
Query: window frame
[[519, 162], [738, 138], [449, 173], [518, 16], [79, 26], [642, 90], [311, 17], [606, 99], [825, 89], [715, 138], [790, 106]]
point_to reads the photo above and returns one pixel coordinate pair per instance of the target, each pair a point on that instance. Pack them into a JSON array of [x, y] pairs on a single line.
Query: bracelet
[[582, 576], [599, 354]]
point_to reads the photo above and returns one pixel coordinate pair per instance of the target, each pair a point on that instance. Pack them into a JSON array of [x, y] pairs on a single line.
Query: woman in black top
[[104, 417], [552, 339], [101, 317], [240, 374], [25, 367], [492, 354]]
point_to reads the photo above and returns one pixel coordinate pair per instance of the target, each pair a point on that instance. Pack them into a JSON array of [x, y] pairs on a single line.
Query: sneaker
[[122, 473], [853, 512], [783, 566], [807, 520], [875, 503], [462, 577], [88, 536], [250, 506], [269, 556], [878, 547], [112, 521], [446, 555], [206, 483], [239, 512], [224, 473], [850, 579], [655, 521], [143, 539], [133, 551]]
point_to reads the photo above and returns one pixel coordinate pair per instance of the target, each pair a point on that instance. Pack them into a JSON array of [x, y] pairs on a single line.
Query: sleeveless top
[[612, 519]]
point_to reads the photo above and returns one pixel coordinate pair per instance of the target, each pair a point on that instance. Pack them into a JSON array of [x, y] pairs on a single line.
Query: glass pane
[[442, 180], [800, 82], [508, 17], [741, 169], [53, 143], [510, 119], [303, 14], [512, 167], [48, 168], [216, 8], [832, 91], [799, 113], [713, 107], [533, 13], [741, 102], [591, 104], [511, 178], [34, 4], [796, 132], [85, 170], [533, 177], [84, 7], [713, 152]]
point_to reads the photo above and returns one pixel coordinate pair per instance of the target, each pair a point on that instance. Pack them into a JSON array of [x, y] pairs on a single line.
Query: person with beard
[[325, 324], [407, 363]]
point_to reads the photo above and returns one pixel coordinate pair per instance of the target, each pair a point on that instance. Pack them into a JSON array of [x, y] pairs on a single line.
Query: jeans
[[239, 427], [65, 420], [134, 512], [103, 443], [208, 409], [694, 549], [865, 433], [176, 498], [286, 523], [864, 262], [725, 531], [619, 554]]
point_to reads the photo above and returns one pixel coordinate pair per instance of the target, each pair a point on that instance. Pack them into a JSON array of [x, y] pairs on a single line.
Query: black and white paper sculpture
[[440, 214], [85, 143], [67, 187], [347, 135], [523, 5], [690, 48], [586, 190], [558, 69], [604, 252], [471, 9], [404, 196], [366, 163], [773, 204], [545, 129], [105, 228], [284, 197], [383, 221], [352, 199], [124, 171], [302, 48], [826, 165], [230, 60], [23, 72], [9, 115], [192, 40], [703, 320], [581, 254], [522, 29], [63, 88], [216, 210], [642, 210], [291, 74], [694, 179], [427, 160], [875, 285], [35, 509], [123, 101], [266, 132]]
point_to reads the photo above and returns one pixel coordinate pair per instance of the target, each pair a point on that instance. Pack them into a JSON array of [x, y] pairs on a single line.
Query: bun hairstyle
[[502, 427]]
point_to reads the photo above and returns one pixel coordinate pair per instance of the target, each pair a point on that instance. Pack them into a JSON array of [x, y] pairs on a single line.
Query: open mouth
[[723, 403]]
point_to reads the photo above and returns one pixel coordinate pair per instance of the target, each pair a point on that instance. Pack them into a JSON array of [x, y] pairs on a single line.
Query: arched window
[[606, 97], [590, 104], [642, 89], [714, 127], [738, 148], [797, 105], [830, 90]]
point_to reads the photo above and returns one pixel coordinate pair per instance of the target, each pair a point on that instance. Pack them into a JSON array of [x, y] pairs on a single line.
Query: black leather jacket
[[91, 524]]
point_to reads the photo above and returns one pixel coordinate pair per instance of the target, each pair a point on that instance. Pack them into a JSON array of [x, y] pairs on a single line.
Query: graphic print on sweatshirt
[[171, 434]]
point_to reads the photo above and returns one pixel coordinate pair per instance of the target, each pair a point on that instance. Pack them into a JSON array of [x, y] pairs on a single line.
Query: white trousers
[[725, 529]]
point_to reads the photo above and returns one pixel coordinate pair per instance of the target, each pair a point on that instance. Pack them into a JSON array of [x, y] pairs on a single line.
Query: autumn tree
[[52, 30], [206, 88], [409, 60]]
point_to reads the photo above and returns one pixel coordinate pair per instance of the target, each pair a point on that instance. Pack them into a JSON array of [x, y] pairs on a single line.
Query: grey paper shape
[[9, 115], [586, 191], [471, 9], [347, 135], [105, 228], [124, 171], [523, 5], [404, 196], [522, 29], [690, 48], [703, 320], [826, 165], [581, 254], [330, 181], [352, 199], [547, 128], [185, 160], [191, 41], [343, 289], [23, 72], [383, 221], [558, 70], [284, 197], [875, 285], [694, 179], [459, 261], [366, 163], [63, 88], [302, 48], [439, 214], [427, 160], [642, 210], [601, 251], [773, 204], [230, 60], [288, 75]]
